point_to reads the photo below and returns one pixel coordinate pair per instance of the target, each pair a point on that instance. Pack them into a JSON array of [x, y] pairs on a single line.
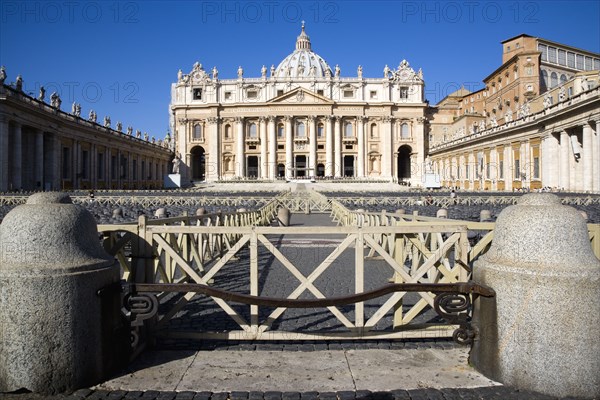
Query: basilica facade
[[300, 119]]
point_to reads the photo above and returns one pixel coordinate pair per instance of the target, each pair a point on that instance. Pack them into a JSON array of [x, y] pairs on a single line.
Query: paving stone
[[363, 394], [202, 396], [219, 396], [238, 395], [272, 395], [290, 396], [150, 394], [136, 394], [382, 396], [346, 395], [116, 395], [401, 395], [255, 396], [166, 396], [187, 395], [327, 396], [309, 396]]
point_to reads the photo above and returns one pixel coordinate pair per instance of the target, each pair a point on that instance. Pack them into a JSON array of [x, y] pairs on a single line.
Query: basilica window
[[227, 131], [197, 94], [252, 94], [544, 78], [280, 92], [300, 130], [348, 94], [373, 94], [280, 131], [404, 92], [320, 131], [404, 131], [197, 132], [252, 133], [320, 92], [348, 130], [227, 95]]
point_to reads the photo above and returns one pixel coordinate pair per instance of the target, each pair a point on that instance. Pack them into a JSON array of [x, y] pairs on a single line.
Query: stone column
[[108, 178], [213, 164], [312, 162], [565, 153], [360, 132], [418, 135], [289, 148], [588, 158], [58, 333], [329, 145], [337, 158], [551, 160], [264, 163], [272, 148], [386, 148], [596, 157], [240, 145], [4, 166], [545, 318], [17, 158]]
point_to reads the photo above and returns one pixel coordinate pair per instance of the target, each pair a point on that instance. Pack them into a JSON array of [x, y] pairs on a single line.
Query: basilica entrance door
[[404, 173], [198, 163], [349, 166], [300, 166], [252, 167]]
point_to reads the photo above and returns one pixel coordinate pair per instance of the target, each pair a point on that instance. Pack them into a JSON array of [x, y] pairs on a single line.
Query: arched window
[[227, 131], [252, 130], [300, 130], [545, 78], [563, 79], [553, 79], [280, 131], [197, 133], [404, 132], [348, 130]]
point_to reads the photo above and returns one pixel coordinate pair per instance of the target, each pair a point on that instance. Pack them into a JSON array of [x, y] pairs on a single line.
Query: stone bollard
[[441, 213], [485, 216], [283, 216], [161, 213], [540, 332], [58, 333]]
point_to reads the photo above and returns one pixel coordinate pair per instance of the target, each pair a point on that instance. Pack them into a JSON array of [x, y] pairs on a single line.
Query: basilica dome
[[303, 62]]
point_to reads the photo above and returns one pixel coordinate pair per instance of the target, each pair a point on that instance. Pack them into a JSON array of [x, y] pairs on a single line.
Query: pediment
[[300, 96]]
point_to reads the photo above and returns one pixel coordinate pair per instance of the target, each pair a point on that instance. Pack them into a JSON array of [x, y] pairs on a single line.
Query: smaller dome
[[303, 62]]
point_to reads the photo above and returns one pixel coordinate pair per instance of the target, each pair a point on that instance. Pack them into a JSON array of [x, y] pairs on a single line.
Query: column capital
[[262, 119], [387, 118], [288, 118], [213, 120], [361, 118], [238, 120], [311, 118], [328, 118], [271, 118]]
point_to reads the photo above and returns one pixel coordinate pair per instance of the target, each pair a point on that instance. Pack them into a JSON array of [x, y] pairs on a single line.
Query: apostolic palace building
[[533, 125]]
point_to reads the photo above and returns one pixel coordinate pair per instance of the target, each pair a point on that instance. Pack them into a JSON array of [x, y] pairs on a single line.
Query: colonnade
[[566, 158]]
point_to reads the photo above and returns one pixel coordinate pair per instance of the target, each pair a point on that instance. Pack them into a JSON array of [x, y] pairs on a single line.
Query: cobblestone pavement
[[486, 393]]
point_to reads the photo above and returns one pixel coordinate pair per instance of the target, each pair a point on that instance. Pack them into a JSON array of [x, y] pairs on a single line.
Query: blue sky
[[120, 57]]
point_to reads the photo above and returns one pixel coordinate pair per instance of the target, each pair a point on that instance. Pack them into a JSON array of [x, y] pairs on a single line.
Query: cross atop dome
[[303, 41]]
